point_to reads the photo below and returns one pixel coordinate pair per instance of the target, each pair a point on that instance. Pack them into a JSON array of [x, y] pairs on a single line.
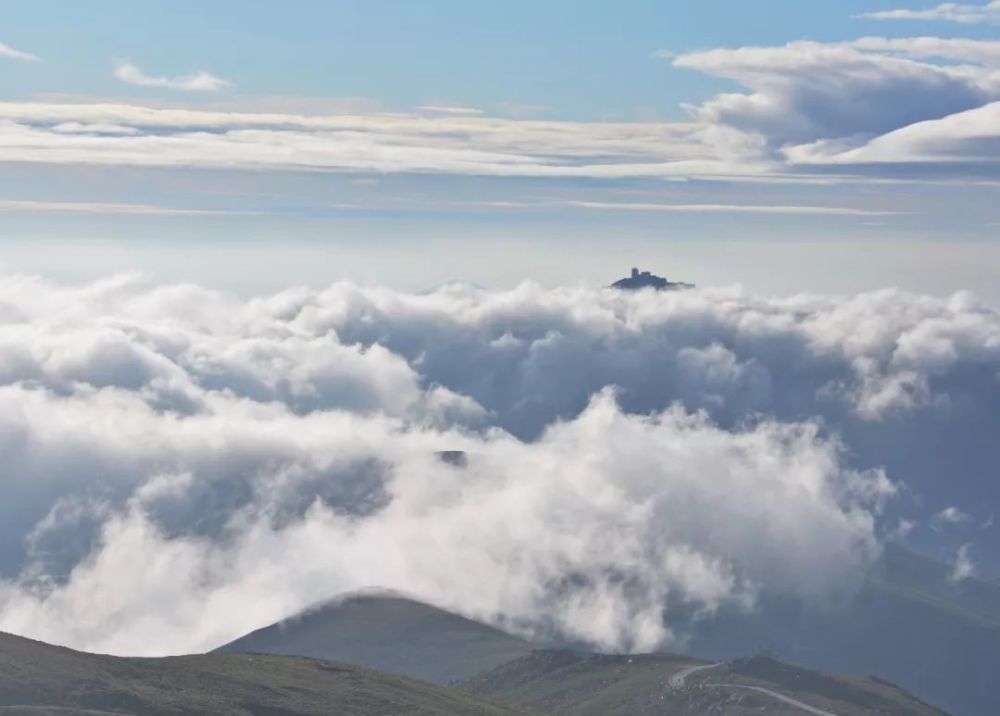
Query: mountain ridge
[[38, 678]]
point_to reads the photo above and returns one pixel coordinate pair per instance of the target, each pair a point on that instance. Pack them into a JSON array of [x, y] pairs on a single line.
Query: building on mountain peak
[[644, 279]]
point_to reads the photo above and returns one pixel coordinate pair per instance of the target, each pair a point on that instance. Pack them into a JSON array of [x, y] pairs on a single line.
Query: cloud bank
[[874, 108], [183, 466]]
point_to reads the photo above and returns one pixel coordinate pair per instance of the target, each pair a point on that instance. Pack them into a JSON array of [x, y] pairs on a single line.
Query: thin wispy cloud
[[91, 207], [980, 52], [945, 12], [950, 516], [200, 81], [449, 109], [663, 54], [584, 205], [731, 209], [14, 54], [964, 568]]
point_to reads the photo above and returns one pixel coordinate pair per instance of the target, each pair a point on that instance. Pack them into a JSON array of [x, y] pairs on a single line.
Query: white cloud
[[198, 82], [903, 529], [171, 446], [94, 128], [945, 12], [869, 107], [949, 516], [808, 91], [964, 568], [13, 54], [370, 143], [965, 139], [365, 502]]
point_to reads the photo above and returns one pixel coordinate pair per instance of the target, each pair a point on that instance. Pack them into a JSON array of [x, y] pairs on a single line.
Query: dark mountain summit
[[390, 633], [644, 279]]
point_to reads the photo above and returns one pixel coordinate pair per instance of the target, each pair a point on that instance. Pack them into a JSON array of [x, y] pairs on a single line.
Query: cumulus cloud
[[808, 91], [198, 82], [190, 465], [520, 533], [13, 54], [945, 12]]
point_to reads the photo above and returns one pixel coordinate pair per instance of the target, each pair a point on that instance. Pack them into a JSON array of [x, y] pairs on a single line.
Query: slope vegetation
[[39, 679], [910, 624]]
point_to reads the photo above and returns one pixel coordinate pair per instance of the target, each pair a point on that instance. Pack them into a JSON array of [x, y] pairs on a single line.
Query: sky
[[260, 263], [784, 146]]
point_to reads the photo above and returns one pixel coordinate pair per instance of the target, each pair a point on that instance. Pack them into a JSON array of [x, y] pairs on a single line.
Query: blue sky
[[582, 59], [640, 131]]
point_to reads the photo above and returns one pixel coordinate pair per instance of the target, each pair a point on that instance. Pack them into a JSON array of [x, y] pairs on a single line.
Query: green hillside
[[389, 633], [39, 679], [562, 682]]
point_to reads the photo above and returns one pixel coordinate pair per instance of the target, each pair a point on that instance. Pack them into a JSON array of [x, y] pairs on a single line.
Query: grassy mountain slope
[[562, 682], [910, 625], [392, 634], [39, 679]]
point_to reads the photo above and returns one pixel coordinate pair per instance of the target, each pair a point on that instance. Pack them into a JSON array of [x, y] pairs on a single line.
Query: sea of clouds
[[181, 466]]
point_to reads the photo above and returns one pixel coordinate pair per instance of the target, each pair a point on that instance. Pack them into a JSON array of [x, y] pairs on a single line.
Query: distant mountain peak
[[645, 279]]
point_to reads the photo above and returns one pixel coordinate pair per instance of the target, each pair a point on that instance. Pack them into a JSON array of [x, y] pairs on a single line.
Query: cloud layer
[[183, 466], [875, 107]]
